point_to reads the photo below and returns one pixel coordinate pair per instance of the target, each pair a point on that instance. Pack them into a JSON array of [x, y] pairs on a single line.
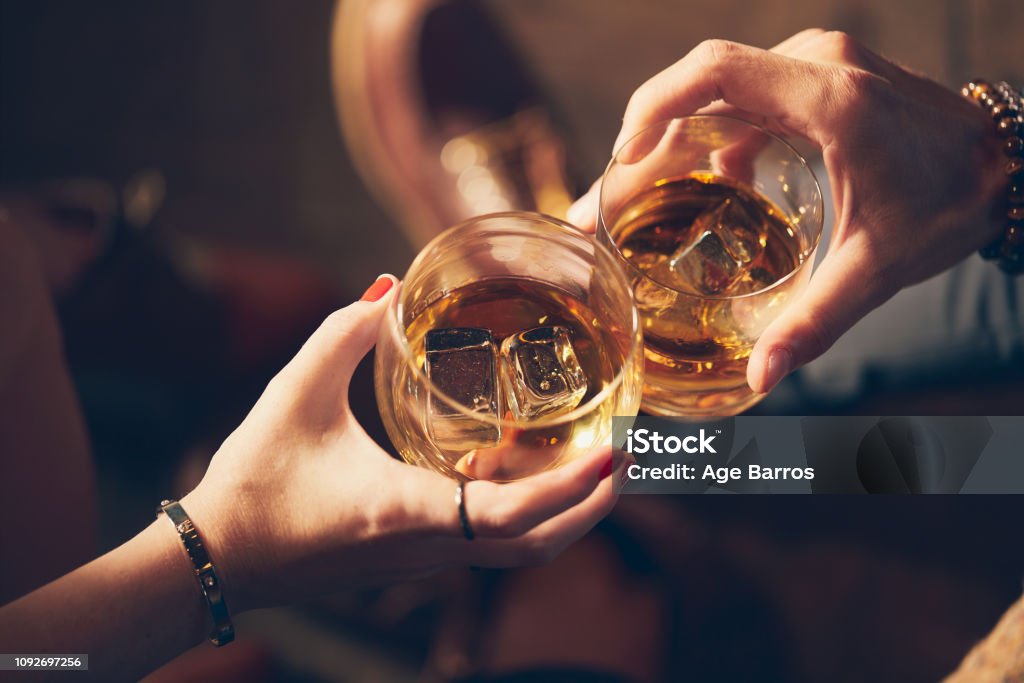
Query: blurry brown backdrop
[[230, 101]]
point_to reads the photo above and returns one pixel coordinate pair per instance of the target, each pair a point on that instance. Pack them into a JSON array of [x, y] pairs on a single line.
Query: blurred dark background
[[231, 220], [231, 100]]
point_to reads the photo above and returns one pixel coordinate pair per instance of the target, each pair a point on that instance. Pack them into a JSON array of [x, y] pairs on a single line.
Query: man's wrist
[[1004, 106]]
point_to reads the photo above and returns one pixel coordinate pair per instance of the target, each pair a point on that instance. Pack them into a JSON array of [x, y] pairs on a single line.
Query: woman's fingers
[[511, 510], [541, 544], [319, 373], [508, 454]]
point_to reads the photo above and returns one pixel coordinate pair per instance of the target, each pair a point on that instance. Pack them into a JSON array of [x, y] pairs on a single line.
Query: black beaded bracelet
[[1006, 106], [223, 631]]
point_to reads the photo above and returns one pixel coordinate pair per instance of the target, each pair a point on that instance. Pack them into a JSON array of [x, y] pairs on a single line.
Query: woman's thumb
[[330, 356]]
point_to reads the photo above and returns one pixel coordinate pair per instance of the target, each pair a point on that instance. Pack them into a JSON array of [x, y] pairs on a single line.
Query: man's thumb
[[841, 292]]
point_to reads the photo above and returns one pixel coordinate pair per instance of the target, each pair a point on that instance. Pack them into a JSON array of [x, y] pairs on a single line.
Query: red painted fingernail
[[378, 289], [606, 468]]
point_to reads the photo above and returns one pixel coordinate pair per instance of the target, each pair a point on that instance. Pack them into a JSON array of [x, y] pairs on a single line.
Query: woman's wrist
[[216, 520], [132, 609], [157, 550]]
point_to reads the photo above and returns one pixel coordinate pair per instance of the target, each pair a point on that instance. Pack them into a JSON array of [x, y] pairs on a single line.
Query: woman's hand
[[300, 502], [916, 171]]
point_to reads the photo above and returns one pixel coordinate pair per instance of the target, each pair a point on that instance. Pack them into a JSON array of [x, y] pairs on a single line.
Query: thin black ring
[[460, 502]]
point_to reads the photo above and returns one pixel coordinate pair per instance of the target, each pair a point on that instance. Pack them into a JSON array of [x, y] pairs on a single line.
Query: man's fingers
[[788, 48], [583, 212], [718, 77], [836, 47], [736, 160], [658, 153], [797, 40], [841, 292], [798, 94]]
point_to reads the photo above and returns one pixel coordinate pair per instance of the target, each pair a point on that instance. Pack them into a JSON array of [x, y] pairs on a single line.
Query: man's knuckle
[[856, 84], [645, 98], [844, 47], [851, 94], [810, 32], [714, 52], [718, 49], [638, 100]]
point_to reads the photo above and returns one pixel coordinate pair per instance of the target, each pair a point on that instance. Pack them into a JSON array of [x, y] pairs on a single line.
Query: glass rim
[[664, 123], [395, 313]]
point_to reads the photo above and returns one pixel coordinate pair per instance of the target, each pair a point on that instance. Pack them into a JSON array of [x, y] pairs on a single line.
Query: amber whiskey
[[710, 259], [531, 368]]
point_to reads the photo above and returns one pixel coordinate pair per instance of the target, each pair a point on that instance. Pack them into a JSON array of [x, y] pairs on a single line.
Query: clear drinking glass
[[534, 344], [716, 221]]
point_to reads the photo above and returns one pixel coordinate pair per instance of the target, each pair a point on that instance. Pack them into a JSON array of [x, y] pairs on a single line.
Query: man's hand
[[915, 170]]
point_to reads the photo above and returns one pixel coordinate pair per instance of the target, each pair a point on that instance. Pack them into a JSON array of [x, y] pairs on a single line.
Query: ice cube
[[726, 245], [540, 373], [461, 362], [652, 293]]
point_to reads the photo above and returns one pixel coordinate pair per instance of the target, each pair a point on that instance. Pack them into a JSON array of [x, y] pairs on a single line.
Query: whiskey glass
[[716, 222], [509, 347]]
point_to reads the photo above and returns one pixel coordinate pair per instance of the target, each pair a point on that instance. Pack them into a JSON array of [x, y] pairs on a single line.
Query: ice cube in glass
[[461, 363], [727, 242], [540, 373]]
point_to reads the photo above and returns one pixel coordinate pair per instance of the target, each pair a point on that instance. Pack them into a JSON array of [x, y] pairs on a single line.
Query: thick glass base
[[698, 404]]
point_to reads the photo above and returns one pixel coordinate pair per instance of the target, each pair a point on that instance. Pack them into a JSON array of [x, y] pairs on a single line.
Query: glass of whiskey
[[513, 341], [716, 221]]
